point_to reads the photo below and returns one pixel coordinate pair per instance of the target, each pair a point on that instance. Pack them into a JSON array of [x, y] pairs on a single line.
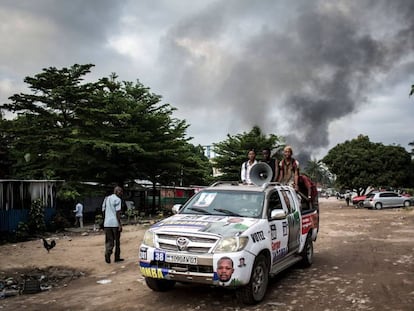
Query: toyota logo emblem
[[182, 243]]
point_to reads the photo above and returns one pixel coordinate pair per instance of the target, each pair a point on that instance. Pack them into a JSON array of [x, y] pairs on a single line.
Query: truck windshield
[[230, 203]]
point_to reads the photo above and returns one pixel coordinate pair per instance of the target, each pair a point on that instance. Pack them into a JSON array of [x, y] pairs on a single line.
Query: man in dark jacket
[[271, 162]]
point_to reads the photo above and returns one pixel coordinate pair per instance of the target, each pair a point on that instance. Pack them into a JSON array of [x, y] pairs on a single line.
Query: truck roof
[[231, 185]]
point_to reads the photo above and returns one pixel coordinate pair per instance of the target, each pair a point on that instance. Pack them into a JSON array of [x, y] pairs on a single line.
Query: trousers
[[112, 238], [79, 220]]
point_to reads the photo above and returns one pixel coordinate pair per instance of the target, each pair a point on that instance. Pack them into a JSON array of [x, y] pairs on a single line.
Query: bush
[[37, 217], [99, 221], [59, 223], [22, 232], [132, 214]]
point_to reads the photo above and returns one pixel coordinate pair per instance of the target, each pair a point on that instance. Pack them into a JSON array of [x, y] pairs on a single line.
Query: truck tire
[[255, 291], [307, 253], [158, 285]]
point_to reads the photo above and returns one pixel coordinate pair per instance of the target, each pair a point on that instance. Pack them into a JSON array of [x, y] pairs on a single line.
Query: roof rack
[[273, 183], [224, 182]]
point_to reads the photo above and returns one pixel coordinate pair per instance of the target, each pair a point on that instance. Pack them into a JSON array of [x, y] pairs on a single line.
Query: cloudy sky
[[315, 72]]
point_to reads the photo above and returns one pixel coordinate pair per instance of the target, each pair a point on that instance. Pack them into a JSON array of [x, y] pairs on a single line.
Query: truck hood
[[220, 225]]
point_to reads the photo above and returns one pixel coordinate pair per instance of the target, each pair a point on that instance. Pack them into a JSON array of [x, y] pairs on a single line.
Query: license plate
[[184, 259]]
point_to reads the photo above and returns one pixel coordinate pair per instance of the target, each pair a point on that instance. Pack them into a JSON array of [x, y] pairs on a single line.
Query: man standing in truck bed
[[274, 165], [289, 169], [246, 167]]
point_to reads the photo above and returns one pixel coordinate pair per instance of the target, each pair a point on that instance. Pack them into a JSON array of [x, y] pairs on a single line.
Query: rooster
[[47, 245]]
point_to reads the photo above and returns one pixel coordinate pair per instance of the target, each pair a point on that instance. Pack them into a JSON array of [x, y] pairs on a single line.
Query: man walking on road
[[111, 207]]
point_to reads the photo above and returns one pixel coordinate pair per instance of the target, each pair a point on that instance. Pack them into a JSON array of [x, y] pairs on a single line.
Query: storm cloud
[[294, 69]]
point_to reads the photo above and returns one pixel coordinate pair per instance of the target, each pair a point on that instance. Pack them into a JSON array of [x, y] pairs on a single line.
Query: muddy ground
[[364, 260]]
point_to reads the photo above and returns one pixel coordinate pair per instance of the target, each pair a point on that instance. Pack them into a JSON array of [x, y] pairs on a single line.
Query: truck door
[[278, 227], [293, 219]]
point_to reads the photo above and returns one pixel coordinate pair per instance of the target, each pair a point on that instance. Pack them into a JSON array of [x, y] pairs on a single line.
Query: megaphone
[[261, 173]]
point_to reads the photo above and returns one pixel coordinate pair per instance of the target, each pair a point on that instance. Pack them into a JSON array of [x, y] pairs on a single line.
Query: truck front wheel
[[307, 253], [158, 285], [256, 289]]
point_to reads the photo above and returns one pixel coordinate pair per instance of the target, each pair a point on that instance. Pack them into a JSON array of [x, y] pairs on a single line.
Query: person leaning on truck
[[307, 191]]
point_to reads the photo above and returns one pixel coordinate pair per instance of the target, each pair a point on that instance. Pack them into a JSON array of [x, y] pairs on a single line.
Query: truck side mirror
[[277, 214], [176, 208]]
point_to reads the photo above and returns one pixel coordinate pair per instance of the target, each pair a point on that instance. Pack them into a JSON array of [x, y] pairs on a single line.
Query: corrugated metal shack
[[16, 197]]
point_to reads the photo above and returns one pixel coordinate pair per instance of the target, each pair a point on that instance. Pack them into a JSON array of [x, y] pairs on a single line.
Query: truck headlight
[[148, 238], [231, 244]]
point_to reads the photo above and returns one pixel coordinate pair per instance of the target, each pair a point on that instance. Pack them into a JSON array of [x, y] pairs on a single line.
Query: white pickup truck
[[230, 235]]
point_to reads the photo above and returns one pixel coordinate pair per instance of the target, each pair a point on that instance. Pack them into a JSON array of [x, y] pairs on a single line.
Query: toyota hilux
[[231, 235]]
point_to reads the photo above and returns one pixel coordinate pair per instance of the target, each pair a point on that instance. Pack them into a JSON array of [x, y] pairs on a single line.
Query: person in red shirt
[[307, 191]]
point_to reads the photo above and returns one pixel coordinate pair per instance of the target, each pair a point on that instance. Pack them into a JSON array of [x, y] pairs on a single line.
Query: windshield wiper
[[226, 211], [201, 210]]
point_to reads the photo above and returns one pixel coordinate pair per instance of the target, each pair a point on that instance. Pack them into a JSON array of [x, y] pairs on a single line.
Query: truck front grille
[[182, 267], [197, 244]]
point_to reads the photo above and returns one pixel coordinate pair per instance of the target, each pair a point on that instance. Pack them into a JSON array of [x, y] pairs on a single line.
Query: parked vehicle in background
[[358, 201], [409, 196], [368, 197], [386, 199], [340, 195]]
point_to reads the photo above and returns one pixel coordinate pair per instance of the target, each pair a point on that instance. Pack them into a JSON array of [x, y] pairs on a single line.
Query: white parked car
[[386, 199]]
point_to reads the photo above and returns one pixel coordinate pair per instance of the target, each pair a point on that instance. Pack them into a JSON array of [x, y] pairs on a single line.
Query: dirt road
[[364, 260]]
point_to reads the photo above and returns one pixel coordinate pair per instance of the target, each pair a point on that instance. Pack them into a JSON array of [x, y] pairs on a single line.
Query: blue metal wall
[[9, 220]]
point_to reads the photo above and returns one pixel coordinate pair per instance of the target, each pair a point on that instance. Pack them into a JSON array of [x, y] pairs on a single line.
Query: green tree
[[412, 148], [232, 152], [4, 157], [318, 172], [196, 168], [106, 131], [38, 137], [411, 169], [132, 134], [359, 164]]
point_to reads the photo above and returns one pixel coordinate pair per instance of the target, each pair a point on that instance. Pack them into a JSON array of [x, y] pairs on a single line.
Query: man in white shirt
[[79, 214], [246, 167], [111, 207]]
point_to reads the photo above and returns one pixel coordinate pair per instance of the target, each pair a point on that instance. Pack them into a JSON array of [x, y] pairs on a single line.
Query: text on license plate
[[192, 260]]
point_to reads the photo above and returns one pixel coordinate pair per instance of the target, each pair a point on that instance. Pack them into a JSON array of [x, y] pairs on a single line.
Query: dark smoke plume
[[292, 69]]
